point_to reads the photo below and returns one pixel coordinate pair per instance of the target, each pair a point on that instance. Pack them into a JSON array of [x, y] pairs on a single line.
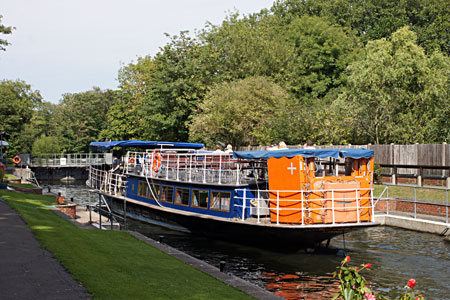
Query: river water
[[396, 256]]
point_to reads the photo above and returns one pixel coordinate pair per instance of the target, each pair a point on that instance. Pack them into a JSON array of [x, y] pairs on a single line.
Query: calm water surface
[[396, 256]]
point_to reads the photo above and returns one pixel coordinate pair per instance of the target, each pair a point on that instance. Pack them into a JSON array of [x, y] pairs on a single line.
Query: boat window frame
[[158, 191], [162, 186], [229, 204], [139, 189], [175, 196], [192, 199]]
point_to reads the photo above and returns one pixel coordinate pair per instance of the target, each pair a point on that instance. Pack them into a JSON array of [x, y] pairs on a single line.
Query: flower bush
[[353, 285]]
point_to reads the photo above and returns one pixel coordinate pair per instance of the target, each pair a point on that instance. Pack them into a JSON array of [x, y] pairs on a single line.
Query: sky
[[70, 46]]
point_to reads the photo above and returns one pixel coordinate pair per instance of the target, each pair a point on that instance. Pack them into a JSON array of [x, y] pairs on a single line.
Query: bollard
[[48, 189], [222, 265], [71, 199], [161, 238]]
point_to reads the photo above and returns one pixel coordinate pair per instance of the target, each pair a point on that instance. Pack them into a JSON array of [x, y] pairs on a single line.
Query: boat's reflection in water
[[300, 286]]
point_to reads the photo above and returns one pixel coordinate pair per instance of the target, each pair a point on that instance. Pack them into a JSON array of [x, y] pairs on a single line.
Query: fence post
[[420, 177]]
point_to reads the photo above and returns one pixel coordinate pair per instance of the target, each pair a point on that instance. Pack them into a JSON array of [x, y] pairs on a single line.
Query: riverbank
[[114, 264]]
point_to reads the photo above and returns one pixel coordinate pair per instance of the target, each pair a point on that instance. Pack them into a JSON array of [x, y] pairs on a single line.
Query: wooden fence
[[414, 155]]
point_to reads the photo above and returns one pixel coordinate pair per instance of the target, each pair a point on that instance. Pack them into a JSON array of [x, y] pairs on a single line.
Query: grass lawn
[[114, 264], [23, 185], [408, 193], [10, 176]]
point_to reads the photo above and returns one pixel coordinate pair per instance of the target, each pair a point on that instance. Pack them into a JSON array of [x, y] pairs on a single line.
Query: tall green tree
[[81, 117], [249, 111], [397, 93], [17, 104], [375, 19]]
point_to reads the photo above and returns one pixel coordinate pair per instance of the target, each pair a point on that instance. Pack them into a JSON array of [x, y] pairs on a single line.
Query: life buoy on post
[[17, 160], [156, 161], [131, 160]]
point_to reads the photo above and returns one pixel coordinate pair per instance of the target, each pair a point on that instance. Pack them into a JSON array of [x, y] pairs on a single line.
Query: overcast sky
[[69, 46]]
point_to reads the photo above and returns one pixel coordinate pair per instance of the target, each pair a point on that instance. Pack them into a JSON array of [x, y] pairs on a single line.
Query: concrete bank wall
[[414, 224]]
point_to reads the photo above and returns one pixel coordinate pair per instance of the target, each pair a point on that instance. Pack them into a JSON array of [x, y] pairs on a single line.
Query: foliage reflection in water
[[396, 256]]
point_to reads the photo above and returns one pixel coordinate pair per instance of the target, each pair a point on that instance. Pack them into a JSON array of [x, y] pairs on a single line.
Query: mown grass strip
[[22, 185], [114, 264]]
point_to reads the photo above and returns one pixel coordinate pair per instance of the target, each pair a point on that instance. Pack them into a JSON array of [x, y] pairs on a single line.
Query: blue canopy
[[320, 153], [103, 146]]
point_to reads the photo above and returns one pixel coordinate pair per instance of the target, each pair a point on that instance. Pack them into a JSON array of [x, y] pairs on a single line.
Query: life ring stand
[[156, 161], [131, 160], [17, 160]]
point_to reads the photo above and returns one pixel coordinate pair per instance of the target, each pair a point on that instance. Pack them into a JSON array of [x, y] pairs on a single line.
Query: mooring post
[[99, 213], [222, 265], [125, 213]]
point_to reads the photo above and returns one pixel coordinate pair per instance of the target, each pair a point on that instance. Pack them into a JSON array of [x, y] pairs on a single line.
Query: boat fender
[[17, 160]]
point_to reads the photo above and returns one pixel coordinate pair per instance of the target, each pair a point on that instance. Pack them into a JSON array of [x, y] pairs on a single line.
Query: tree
[[249, 111], [397, 93], [81, 117], [46, 144], [4, 30], [375, 19], [125, 117], [17, 104], [323, 52]]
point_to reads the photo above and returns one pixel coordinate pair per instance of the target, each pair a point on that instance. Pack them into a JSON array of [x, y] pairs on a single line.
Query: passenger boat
[[284, 199]]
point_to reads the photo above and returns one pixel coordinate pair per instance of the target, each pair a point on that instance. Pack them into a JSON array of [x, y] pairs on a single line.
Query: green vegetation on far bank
[[114, 264], [406, 192], [22, 185]]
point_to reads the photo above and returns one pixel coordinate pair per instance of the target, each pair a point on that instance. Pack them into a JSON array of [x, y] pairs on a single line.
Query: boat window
[[166, 193], [200, 198], [154, 191], [142, 189], [220, 201], [182, 196]]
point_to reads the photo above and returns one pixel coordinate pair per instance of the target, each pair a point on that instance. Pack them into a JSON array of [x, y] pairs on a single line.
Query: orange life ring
[[17, 160], [131, 160], [156, 161]]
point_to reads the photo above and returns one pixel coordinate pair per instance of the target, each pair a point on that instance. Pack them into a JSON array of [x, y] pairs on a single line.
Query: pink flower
[[412, 283], [347, 259], [367, 265], [370, 296], [354, 287], [417, 298]]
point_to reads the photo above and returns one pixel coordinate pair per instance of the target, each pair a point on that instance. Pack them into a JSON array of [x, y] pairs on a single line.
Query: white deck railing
[[220, 168], [66, 159], [327, 205], [107, 182]]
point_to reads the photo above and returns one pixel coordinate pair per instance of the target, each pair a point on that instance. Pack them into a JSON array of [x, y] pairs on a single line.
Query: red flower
[[356, 268], [412, 283], [370, 296], [367, 265], [347, 259]]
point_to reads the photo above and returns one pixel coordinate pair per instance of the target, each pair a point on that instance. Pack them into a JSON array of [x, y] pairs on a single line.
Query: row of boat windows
[[214, 200]]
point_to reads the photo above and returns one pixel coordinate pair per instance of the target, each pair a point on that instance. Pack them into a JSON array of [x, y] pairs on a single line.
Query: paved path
[[26, 270]]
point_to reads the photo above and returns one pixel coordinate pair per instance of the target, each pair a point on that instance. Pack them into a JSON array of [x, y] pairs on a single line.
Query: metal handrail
[[415, 200], [304, 200]]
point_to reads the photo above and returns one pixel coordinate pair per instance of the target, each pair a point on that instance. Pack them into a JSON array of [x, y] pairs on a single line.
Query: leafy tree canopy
[[249, 111], [398, 93], [4, 30], [17, 104]]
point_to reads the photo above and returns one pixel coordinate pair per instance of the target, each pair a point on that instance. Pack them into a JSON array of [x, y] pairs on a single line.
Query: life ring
[[17, 160], [156, 161], [131, 160]]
